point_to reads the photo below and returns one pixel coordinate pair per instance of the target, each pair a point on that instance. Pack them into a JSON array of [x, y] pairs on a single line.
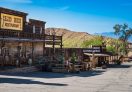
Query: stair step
[[59, 70]]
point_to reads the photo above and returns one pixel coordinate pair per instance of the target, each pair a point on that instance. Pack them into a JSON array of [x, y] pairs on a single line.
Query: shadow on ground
[[56, 75], [118, 66], [27, 81]]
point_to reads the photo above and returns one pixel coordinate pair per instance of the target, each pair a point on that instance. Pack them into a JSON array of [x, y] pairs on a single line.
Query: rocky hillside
[[71, 38]]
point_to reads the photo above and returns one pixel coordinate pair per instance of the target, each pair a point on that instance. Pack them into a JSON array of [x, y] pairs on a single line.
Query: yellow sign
[[11, 22]]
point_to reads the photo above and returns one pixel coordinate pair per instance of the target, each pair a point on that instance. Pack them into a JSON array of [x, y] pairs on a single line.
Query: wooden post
[[18, 56], [2, 45], [93, 60], [25, 52], [61, 45], [53, 46], [43, 45], [32, 52], [19, 48]]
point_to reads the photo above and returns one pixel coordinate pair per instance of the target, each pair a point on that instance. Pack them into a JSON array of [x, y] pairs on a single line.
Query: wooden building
[[21, 40], [95, 54]]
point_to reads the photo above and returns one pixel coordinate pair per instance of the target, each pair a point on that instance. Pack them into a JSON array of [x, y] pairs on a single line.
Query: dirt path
[[118, 79]]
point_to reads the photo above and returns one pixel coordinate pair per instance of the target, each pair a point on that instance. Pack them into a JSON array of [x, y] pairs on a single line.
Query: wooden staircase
[[60, 68]]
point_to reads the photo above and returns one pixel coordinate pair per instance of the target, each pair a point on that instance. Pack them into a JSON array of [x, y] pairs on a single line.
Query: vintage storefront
[[97, 54], [21, 40]]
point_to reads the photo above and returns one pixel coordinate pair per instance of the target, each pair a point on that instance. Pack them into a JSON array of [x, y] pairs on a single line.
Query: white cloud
[[16, 1]]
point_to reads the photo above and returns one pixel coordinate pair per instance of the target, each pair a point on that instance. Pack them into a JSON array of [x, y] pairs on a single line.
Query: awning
[[97, 54]]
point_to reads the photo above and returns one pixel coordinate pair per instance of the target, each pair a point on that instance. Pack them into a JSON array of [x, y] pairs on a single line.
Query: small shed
[[96, 54]]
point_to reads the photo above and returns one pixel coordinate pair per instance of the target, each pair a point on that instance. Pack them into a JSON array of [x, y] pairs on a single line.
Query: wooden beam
[[32, 52]]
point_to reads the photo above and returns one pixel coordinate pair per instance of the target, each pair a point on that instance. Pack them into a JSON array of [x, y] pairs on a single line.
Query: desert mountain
[[71, 38]]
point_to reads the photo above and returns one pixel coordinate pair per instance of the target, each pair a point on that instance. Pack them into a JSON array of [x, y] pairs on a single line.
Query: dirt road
[[115, 79]]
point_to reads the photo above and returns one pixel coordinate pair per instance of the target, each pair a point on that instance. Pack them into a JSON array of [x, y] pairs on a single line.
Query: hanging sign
[[88, 50], [11, 22]]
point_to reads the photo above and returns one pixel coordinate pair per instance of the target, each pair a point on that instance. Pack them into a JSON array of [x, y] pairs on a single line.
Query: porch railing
[[25, 35]]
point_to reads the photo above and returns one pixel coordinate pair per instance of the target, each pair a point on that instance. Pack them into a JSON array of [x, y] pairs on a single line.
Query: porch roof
[[97, 54]]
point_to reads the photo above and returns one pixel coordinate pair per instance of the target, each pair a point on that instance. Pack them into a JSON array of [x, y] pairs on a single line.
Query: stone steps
[[59, 68]]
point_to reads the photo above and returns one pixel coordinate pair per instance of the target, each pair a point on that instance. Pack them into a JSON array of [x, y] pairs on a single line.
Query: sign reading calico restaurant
[[11, 22]]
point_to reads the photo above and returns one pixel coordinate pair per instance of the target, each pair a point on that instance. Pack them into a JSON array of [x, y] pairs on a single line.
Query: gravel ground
[[113, 79]]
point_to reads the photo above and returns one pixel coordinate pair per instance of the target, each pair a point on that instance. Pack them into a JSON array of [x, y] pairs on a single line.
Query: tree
[[111, 49], [124, 32], [95, 41]]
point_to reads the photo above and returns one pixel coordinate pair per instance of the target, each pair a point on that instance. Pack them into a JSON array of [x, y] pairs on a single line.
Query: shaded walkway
[[56, 75]]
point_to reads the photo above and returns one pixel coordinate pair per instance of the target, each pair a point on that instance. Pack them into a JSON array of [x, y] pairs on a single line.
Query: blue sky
[[92, 16]]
